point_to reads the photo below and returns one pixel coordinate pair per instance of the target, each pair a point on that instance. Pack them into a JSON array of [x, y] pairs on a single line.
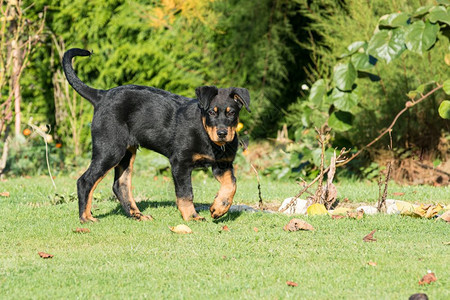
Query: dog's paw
[[219, 210], [141, 217], [198, 218], [88, 219]]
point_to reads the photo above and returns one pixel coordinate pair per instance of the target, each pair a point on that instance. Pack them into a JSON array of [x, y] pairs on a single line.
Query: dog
[[191, 133]]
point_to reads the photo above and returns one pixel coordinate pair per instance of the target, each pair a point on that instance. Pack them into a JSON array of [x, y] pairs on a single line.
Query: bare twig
[[260, 205], [319, 191], [44, 136], [306, 187], [382, 198], [408, 105]]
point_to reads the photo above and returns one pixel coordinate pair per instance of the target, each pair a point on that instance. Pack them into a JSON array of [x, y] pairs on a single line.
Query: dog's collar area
[[222, 147]]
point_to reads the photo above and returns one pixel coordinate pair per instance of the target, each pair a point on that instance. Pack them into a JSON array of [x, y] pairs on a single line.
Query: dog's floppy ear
[[241, 96], [205, 94]]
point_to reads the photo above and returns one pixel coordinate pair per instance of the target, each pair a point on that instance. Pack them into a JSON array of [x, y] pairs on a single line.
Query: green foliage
[[351, 98], [444, 109], [27, 156]]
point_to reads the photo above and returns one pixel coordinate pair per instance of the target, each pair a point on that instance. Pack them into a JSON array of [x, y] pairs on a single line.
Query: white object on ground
[[368, 210], [297, 208]]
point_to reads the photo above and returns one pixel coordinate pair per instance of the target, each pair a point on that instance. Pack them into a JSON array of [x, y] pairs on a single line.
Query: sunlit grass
[[122, 258]]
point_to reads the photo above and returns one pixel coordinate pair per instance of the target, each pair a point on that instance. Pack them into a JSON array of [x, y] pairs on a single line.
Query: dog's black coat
[[191, 133]]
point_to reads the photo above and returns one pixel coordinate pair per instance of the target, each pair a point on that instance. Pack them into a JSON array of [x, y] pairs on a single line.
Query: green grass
[[122, 258]]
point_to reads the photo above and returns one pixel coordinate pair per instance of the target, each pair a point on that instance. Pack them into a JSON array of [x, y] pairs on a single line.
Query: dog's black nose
[[222, 133]]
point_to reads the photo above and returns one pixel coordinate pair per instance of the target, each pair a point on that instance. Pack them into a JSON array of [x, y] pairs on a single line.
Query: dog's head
[[220, 111]]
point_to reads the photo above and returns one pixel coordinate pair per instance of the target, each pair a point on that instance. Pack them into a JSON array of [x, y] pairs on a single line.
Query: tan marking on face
[[227, 109], [224, 197], [198, 156], [212, 133], [187, 209], [215, 109], [231, 133]]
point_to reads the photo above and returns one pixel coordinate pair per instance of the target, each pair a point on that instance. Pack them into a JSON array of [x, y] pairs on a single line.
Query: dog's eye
[[212, 113], [230, 114]]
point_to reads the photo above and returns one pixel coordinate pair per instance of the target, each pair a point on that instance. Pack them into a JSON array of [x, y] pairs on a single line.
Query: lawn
[[123, 258]]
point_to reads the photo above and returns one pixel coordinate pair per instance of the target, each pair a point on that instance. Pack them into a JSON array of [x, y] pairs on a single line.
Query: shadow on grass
[[144, 205]]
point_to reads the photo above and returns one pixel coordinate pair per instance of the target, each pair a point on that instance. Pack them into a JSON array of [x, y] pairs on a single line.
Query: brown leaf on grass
[[398, 194], [45, 255], [291, 283], [358, 215], [336, 217], [225, 228], [427, 279], [369, 237], [297, 224], [255, 229], [180, 229], [4, 194], [81, 230], [445, 216], [371, 263]]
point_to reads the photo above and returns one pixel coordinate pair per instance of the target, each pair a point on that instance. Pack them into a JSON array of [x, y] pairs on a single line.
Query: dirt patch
[[415, 168]]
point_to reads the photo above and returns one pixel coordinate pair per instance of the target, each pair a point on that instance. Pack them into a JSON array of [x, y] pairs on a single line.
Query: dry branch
[[408, 105]]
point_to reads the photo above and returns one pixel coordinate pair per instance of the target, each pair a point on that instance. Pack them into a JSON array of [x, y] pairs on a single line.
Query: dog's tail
[[91, 94]]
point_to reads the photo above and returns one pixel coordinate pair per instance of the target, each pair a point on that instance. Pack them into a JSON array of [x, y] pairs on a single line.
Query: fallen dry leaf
[[297, 224], [398, 194], [4, 194], [291, 283], [336, 217], [255, 229], [427, 210], [81, 230], [358, 215], [427, 279], [445, 216], [341, 211], [45, 255], [225, 228], [369, 237], [371, 263], [181, 229]]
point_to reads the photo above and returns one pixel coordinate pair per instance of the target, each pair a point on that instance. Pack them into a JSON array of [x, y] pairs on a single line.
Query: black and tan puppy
[[191, 133]]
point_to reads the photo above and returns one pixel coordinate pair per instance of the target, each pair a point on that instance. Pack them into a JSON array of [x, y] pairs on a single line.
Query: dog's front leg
[[224, 197], [183, 190]]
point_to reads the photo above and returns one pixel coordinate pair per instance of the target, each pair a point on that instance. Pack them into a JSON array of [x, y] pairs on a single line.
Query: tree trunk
[[17, 64]]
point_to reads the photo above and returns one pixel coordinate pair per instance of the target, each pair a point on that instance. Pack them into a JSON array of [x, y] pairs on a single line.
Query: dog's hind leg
[[86, 184], [122, 186]]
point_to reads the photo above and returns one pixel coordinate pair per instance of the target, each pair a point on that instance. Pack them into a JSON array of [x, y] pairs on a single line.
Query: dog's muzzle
[[222, 133]]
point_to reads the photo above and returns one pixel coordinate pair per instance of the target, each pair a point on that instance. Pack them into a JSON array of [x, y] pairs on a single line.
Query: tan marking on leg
[[125, 178], [224, 197], [198, 156], [87, 214], [187, 209]]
